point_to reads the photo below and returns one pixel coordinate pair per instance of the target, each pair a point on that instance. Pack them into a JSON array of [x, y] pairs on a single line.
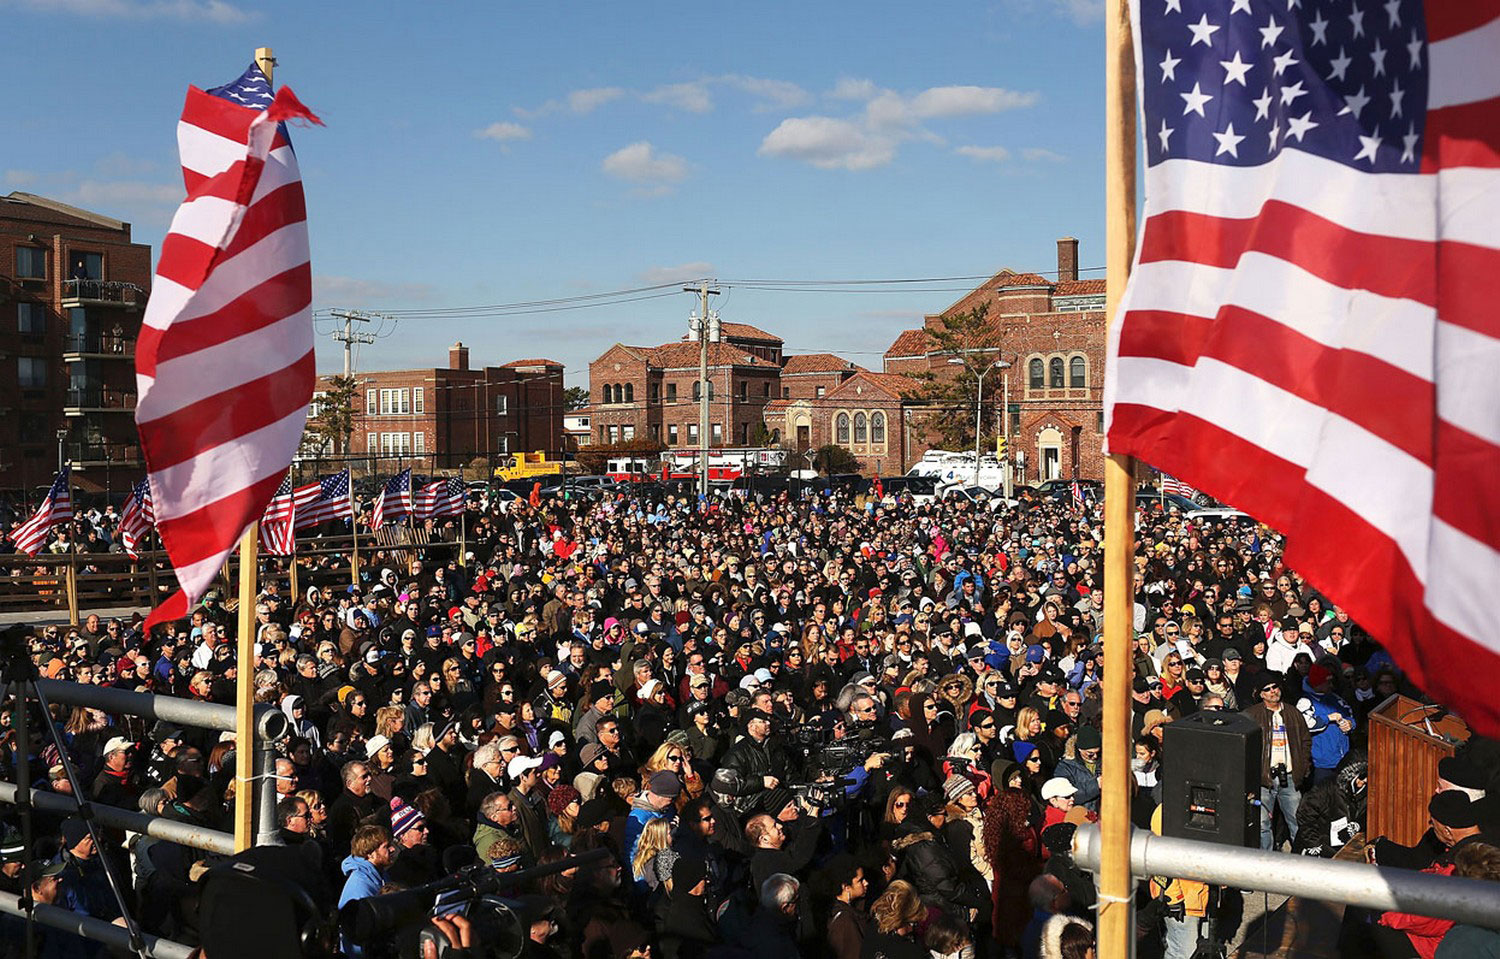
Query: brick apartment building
[[444, 417], [1053, 334], [72, 290]]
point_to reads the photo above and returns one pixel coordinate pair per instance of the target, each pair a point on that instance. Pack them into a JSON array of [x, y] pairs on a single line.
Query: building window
[[877, 428], [395, 402], [671, 434], [614, 434], [655, 392], [31, 317], [627, 432], [1078, 377], [671, 392], [697, 390], [744, 390], [370, 408], [861, 428], [717, 432], [692, 433], [655, 431], [1036, 375], [32, 372], [819, 391], [1099, 422], [419, 442], [85, 266], [1055, 373], [786, 392], [502, 404], [418, 403], [31, 263], [841, 429], [630, 392], [765, 388], [371, 446], [744, 434], [505, 444]]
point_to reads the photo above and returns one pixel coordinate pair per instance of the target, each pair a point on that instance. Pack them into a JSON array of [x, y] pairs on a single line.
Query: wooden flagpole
[[244, 684], [462, 541], [1116, 929]]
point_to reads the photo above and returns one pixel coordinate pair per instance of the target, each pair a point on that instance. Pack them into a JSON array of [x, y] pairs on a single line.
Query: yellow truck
[[518, 466]]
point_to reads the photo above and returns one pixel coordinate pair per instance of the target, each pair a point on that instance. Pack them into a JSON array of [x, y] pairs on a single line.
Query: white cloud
[[776, 93], [1039, 155], [640, 163], [134, 201], [578, 101], [889, 109], [211, 11], [690, 97], [503, 132], [353, 291], [1082, 12], [829, 143], [696, 270], [21, 178], [849, 88], [120, 164], [984, 154]]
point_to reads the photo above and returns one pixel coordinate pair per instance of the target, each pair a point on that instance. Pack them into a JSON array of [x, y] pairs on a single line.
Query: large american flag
[[1310, 329], [57, 507], [393, 505], [137, 518], [224, 363], [438, 499], [278, 523], [324, 500]]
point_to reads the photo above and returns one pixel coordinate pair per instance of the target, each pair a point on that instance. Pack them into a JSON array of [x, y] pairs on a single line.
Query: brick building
[[442, 418], [1053, 333], [639, 392], [806, 381], [72, 289]]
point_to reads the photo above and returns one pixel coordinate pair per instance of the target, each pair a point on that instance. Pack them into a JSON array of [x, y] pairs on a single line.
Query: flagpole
[[462, 539], [1116, 930], [244, 699]]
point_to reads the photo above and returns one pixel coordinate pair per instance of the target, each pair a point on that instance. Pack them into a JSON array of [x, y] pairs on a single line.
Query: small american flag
[[1078, 499], [57, 507], [1171, 484], [393, 505], [278, 524], [327, 499], [137, 519], [439, 499], [1309, 332], [225, 363]]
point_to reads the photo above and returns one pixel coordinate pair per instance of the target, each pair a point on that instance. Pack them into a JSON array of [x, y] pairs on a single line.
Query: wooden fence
[[80, 582]]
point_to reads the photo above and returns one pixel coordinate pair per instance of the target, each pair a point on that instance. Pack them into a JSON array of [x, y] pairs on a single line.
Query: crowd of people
[[815, 725]]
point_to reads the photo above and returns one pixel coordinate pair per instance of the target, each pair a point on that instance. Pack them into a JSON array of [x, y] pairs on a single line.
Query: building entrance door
[[804, 438]]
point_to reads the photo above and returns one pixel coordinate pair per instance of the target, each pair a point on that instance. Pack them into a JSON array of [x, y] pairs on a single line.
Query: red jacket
[[1424, 931]]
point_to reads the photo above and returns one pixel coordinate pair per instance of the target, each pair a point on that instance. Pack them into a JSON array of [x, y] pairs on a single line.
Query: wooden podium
[[1405, 747]]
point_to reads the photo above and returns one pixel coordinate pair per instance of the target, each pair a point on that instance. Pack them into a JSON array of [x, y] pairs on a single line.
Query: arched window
[[1055, 373], [609, 393], [877, 427], [1037, 374], [630, 392], [697, 390], [861, 433], [1077, 373], [841, 429]]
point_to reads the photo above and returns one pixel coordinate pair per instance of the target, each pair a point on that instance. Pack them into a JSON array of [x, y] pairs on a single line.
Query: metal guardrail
[[1355, 884], [96, 929]]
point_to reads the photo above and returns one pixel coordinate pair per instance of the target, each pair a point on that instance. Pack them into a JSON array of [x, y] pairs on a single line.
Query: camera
[[1279, 775]]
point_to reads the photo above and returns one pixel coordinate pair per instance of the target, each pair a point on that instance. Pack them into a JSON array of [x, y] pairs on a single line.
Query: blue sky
[[483, 153]]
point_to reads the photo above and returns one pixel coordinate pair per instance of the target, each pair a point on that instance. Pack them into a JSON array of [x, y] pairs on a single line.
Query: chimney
[[1067, 259], [458, 357]]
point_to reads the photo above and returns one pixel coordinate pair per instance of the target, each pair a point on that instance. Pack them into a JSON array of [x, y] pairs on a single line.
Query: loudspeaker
[[1210, 772]]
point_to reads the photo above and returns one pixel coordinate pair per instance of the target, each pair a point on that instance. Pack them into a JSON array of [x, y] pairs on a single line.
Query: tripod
[[19, 675]]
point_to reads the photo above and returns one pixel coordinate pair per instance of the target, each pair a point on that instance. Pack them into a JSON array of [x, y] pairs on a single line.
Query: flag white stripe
[[208, 154], [232, 279], [1471, 205], [1465, 587], [203, 218], [194, 483], [234, 363], [1469, 375], [1338, 456], [1464, 68]]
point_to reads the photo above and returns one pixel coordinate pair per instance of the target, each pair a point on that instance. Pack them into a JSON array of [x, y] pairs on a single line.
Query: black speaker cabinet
[[1210, 770]]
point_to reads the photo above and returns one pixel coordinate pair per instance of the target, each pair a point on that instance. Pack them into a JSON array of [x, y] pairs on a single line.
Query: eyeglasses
[[706, 817], [675, 759], [900, 805]]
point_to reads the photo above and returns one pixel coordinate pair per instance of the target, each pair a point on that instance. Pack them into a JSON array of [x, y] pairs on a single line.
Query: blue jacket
[[364, 879], [635, 824], [1087, 784], [1329, 742]]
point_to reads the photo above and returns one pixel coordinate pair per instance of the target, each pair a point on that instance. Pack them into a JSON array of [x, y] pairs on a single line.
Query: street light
[[979, 408]]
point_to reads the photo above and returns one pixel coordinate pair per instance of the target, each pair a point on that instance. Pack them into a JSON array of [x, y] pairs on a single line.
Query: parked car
[[922, 489], [1155, 499]]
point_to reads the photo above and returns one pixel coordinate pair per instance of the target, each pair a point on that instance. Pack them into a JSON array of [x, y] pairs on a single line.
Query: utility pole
[[705, 326], [348, 337]]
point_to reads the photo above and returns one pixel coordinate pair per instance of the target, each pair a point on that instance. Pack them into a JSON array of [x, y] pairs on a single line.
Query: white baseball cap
[[1057, 788], [520, 764]]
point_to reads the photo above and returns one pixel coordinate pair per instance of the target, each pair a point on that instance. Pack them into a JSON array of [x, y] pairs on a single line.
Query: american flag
[[327, 499], [393, 505], [57, 507], [1171, 484], [439, 499], [278, 524], [1078, 499], [224, 363], [137, 518], [1309, 332]]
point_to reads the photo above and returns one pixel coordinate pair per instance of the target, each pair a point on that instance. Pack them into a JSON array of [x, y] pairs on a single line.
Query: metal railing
[[100, 344], [1380, 888], [116, 937], [100, 398], [102, 291]]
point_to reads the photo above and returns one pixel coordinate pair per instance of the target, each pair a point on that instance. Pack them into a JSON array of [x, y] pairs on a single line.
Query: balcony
[[98, 346], [98, 400], [101, 293], [103, 454]]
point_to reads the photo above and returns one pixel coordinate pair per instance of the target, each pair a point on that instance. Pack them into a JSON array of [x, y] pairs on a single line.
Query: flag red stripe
[[1386, 265], [1336, 549], [1465, 492], [1462, 136], [199, 535], [1388, 402], [1469, 287], [269, 302], [229, 415], [186, 260], [1449, 18], [222, 117]]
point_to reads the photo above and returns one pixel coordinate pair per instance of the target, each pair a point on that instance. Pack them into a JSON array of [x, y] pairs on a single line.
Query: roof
[[684, 355], [57, 206], [1007, 279], [895, 385], [816, 363], [745, 331], [517, 363], [910, 343], [1079, 288], [777, 406]]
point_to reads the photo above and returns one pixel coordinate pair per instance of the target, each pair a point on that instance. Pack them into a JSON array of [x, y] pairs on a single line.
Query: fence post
[[71, 588]]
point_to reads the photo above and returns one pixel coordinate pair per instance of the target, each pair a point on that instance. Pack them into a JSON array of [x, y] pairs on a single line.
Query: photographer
[[1286, 756]]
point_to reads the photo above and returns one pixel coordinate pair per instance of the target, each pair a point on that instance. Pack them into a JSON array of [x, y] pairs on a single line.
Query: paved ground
[[59, 617]]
